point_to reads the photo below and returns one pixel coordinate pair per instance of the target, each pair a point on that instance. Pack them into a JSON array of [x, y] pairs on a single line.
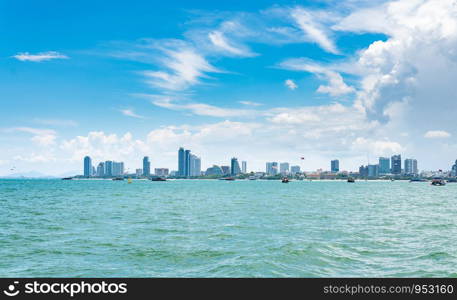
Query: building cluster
[[189, 165]]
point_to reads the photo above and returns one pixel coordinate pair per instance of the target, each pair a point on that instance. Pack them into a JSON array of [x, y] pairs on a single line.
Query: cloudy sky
[[270, 81]]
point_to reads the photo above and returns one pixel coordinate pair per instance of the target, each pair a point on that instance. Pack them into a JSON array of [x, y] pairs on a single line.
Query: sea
[[213, 228]]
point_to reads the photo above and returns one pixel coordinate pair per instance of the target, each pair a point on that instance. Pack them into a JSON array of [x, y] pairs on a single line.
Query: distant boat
[[129, 180], [118, 178], [285, 180], [351, 180], [252, 178], [158, 179], [438, 182], [67, 178], [227, 178]]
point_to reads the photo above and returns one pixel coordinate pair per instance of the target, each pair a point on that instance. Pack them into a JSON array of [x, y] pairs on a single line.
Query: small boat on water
[[227, 178], [158, 179], [417, 180], [67, 178], [118, 178], [351, 180], [438, 182], [252, 178], [285, 180], [129, 180]]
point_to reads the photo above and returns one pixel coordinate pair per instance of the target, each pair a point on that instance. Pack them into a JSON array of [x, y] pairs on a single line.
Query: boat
[[252, 178], [158, 179], [227, 178], [67, 178], [285, 180], [118, 178], [351, 180], [438, 182], [129, 180]]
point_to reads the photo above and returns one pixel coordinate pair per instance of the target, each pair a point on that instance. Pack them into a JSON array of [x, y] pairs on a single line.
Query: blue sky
[[263, 81]]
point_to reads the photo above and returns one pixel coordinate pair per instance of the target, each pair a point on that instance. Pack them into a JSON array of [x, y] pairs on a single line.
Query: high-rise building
[[108, 168], [146, 166], [118, 168], [244, 167], [234, 166], [181, 162], [272, 168], [101, 169], [295, 169], [373, 171], [161, 171], [225, 170], [195, 165], [384, 165], [284, 168], [396, 164], [187, 163], [87, 166], [335, 166], [411, 166]]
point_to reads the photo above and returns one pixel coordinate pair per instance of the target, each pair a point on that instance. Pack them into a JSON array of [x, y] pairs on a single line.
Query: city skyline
[[259, 81]]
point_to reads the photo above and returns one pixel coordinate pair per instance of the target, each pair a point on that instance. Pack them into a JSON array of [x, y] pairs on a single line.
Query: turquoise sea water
[[211, 228]]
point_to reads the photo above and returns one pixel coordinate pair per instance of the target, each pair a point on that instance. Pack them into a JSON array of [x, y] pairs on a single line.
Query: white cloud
[[336, 85], [290, 84], [309, 22], [377, 147], [250, 103], [130, 113], [220, 41], [184, 67], [42, 137], [42, 56], [436, 134]]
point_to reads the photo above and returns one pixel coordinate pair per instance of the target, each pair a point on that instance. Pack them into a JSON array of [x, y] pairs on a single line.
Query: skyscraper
[[363, 171], [195, 165], [272, 168], [396, 164], [118, 168], [454, 169], [87, 166], [187, 163], [411, 166], [146, 166], [384, 165], [235, 166], [295, 169], [101, 169], [284, 168], [108, 168], [335, 166], [181, 162], [244, 167]]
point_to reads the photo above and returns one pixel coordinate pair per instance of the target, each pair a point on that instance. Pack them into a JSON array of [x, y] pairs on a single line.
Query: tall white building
[[244, 166], [411, 166], [195, 165]]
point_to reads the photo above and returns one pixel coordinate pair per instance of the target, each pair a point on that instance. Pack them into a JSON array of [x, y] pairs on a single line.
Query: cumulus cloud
[[437, 134], [42, 56], [290, 84]]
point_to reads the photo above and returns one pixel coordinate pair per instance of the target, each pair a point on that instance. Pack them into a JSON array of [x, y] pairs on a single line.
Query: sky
[[258, 80]]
